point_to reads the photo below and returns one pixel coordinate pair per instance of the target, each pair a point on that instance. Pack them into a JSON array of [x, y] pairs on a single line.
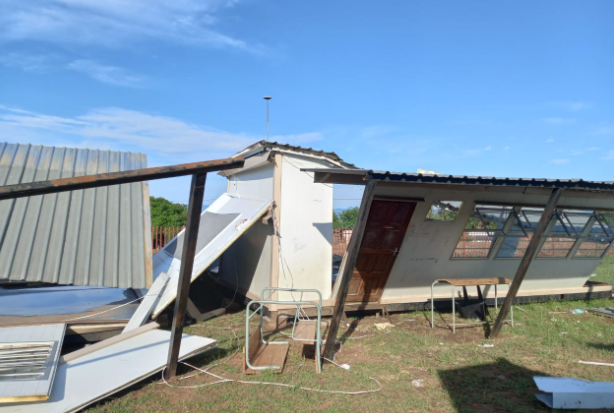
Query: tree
[[167, 214], [336, 221], [345, 219]]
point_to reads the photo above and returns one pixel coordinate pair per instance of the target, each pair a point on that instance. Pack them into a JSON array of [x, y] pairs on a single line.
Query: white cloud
[[29, 63], [578, 152], [506, 148], [121, 129], [558, 121], [106, 74], [559, 161], [488, 148], [609, 156], [471, 152], [116, 23], [549, 140], [129, 130], [572, 106]]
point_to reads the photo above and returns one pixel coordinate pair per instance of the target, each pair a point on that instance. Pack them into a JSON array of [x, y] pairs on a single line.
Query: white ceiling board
[[244, 212]]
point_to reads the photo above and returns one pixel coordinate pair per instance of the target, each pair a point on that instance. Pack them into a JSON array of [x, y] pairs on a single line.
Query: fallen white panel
[[221, 224], [92, 348], [570, 393], [97, 375], [142, 313], [28, 361]]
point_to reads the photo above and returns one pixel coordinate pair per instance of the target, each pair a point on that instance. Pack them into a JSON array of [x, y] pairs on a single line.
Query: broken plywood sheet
[[221, 224], [28, 361], [264, 354], [568, 393], [95, 376], [306, 330]]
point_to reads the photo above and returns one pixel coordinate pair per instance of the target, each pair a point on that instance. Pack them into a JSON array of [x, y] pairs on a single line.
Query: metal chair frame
[[299, 304], [454, 289]]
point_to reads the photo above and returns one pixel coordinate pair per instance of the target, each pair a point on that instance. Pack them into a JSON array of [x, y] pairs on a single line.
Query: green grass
[[458, 375], [605, 271]]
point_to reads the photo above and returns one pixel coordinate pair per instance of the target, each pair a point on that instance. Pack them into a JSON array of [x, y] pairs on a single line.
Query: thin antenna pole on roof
[[267, 98]]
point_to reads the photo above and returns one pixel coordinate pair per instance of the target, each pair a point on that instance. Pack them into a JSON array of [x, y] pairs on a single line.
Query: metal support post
[[526, 260], [197, 191]]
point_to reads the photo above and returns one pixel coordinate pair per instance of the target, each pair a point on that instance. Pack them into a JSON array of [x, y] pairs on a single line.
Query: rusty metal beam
[[348, 269], [116, 178], [526, 260], [197, 191]]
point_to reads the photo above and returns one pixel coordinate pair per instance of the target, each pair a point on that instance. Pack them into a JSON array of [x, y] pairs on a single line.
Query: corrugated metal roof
[[334, 175], [271, 146], [97, 237], [492, 181]]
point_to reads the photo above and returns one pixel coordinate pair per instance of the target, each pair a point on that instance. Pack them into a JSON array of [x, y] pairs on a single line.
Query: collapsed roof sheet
[[97, 237]]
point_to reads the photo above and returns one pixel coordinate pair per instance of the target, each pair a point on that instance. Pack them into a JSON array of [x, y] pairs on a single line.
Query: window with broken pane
[[482, 229], [444, 211]]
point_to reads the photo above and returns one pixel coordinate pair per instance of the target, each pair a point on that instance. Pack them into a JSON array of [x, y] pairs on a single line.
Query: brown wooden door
[[384, 232]]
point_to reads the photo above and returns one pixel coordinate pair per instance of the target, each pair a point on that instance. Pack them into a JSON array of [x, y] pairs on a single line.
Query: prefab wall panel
[[248, 259], [306, 229], [425, 254]]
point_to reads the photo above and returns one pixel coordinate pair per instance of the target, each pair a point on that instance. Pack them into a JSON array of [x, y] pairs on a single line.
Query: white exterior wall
[[249, 258], [254, 183], [428, 245], [306, 228]]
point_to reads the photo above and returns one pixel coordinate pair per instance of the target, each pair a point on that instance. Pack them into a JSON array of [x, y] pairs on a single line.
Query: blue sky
[[518, 88]]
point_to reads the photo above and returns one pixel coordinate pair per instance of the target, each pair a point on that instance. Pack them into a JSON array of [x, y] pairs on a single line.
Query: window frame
[[495, 233], [518, 217], [442, 201]]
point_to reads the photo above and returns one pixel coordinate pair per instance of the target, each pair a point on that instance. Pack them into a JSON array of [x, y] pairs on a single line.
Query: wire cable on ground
[[221, 362], [222, 379]]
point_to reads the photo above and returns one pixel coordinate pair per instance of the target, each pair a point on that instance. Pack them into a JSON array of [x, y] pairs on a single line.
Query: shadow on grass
[[494, 387], [600, 346], [350, 330], [461, 322]]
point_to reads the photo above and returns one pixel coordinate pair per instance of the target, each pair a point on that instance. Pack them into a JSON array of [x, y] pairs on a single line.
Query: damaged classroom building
[[76, 262]]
